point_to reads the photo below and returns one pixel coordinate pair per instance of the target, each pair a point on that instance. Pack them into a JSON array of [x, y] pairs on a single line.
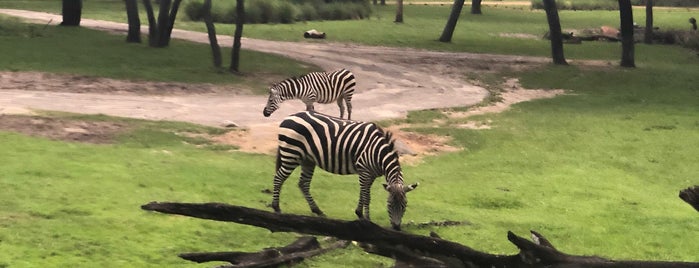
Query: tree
[[627, 42], [72, 10], [159, 31], [555, 32], [399, 11], [648, 36], [237, 35], [134, 34], [476, 7], [211, 30], [451, 22]]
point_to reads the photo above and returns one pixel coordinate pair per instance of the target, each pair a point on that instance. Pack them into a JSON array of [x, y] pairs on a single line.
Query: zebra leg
[[348, 100], [342, 107], [305, 185], [279, 178], [362, 210], [309, 107]]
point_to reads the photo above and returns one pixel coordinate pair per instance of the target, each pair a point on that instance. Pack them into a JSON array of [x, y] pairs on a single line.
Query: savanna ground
[[596, 170]]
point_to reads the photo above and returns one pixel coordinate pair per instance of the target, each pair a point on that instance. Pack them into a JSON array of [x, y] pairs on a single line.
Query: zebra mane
[[389, 137]]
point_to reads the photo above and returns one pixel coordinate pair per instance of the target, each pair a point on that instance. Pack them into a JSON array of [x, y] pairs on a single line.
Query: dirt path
[[391, 81]]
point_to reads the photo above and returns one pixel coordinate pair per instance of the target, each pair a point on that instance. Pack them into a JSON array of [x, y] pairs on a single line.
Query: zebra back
[[338, 145], [323, 87], [320, 87]]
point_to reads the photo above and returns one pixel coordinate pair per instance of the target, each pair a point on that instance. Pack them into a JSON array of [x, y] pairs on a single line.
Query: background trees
[[72, 10], [627, 41], [555, 32]]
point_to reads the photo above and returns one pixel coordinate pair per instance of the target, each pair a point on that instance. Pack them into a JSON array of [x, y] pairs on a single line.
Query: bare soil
[[391, 82]]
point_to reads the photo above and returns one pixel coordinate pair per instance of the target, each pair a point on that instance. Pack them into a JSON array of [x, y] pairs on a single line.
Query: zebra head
[[397, 201], [272, 102]]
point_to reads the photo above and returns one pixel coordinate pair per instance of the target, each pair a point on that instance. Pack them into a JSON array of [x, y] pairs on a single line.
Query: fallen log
[[302, 248], [691, 196], [408, 249]]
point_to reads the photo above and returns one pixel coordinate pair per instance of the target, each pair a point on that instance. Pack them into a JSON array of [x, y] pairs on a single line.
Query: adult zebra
[[320, 87], [309, 139]]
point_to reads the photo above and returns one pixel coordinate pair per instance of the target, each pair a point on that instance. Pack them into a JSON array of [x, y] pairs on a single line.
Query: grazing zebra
[[320, 87], [309, 139]]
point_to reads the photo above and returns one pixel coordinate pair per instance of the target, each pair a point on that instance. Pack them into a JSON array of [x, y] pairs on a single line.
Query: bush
[[194, 10], [274, 11], [308, 12], [287, 13]]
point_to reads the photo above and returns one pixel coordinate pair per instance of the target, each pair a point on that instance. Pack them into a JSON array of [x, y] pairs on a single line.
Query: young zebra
[[320, 87], [310, 139]]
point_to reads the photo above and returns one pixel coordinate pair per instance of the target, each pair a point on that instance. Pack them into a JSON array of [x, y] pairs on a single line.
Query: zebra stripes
[[309, 139], [320, 87]]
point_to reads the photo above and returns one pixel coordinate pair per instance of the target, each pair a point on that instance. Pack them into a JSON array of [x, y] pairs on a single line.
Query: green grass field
[[597, 170]]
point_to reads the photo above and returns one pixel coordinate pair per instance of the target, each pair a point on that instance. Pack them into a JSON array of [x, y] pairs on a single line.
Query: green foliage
[[597, 170], [610, 4], [272, 11], [79, 50]]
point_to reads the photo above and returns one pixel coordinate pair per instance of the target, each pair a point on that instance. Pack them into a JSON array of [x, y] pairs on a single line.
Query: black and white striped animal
[[309, 139], [320, 87]]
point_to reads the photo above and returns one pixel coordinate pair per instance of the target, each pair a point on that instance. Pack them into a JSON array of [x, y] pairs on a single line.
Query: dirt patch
[[512, 93], [254, 139], [62, 129], [84, 84]]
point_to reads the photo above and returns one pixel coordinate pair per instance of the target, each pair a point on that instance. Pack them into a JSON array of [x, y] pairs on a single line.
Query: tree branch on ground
[[304, 247], [691, 196], [408, 249]]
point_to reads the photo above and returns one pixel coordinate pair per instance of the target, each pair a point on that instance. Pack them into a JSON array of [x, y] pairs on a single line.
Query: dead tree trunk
[[404, 247], [295, 252], [691, 196]]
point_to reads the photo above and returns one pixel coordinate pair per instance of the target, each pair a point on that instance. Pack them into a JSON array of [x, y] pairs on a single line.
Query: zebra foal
[[309, 139], [320, 87]]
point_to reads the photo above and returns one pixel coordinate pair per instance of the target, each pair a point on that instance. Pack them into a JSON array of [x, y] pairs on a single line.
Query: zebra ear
[[410, 187], [402, 149]]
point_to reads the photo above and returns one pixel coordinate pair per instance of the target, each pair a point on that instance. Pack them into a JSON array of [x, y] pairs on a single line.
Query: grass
[[597, 171], [486, 33], [78, 50]]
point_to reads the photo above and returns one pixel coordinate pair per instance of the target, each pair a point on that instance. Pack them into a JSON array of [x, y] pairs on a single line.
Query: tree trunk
[[237, 35], [648, 35], [375, 2], [162, 23], [134, 34], [439, 252], [383, 2], [152, 24], [451, 22], [72, 11], [555, 32], [627, 42], [476, 7], [211, 30], [399, 11], [171, 22]]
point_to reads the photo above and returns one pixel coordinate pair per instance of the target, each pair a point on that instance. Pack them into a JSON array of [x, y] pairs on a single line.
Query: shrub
[[275, 11], [308, 12], [194, 10], [287, 13]]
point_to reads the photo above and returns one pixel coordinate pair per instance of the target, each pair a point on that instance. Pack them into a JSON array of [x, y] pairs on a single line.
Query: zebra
[[309, 139], [320, 87]]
